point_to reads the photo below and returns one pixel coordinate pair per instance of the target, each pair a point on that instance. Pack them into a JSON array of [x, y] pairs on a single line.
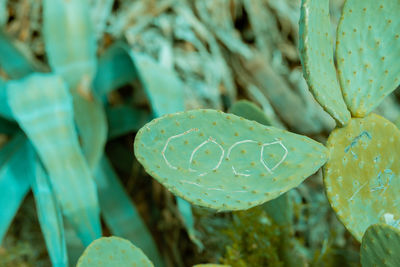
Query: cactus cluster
[[58, 115], [225, 162]]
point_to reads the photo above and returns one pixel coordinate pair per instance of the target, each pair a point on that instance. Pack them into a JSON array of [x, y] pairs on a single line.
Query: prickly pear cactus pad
[[223, 161], [368, 52], [380, 246], [362, 174], [249, 110], [316, 51], [113, 251]]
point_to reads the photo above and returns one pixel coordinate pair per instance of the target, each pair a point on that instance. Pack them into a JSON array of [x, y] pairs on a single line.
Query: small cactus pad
[[250, 111], [316, 51], [113, 251], [368, 52], [380, 246], [223, 161], [362, 174]]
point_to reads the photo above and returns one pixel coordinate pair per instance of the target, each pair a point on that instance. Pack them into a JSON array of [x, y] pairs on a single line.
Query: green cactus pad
[[380, 246], [362, 174], [368, 51], [113, 251], [223, 161], [250, 111], [316, 51]]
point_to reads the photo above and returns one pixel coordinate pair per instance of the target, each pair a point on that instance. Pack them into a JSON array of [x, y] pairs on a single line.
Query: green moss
[[255, 240]]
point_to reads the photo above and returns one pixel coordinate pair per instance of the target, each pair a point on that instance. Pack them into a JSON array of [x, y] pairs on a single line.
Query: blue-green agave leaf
[[125, 119], [75, 247], [71, 47], [165, 90], [120, 213], [185, 209], [43, 107], [50, 217], [5, 110], [15, 169], [8, 127], [91, 121], [12, 59], [70, 39], [115, 69]]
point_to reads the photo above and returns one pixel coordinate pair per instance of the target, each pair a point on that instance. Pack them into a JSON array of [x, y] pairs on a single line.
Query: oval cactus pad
[[362, 174], [368, 52], [113, 251], [316, 51], [223, 161], [380, 246]]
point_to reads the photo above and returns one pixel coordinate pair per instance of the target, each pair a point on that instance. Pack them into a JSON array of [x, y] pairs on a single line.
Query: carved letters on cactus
[[361, 175], [220, 157], [208, 158]]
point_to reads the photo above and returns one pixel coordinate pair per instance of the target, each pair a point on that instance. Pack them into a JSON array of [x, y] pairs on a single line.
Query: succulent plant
[[218, 160], [250, 111], [225, 162], [113, 251], [59, 129], [58, 116], [380, 246]]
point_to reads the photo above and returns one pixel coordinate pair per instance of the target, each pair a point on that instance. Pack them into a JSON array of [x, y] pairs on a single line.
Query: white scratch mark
[[229, 152], [280, 162], [215, 189], [212, 140], [169, 139], [358, 190], [193, 183], [238, 173]]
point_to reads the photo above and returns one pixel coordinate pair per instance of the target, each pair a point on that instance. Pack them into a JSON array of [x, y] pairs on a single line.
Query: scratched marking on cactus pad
[[169, 140], [355, 142], [381, 184], [212, 140], [357, 191], [282, 159], [270, 170], [216, 189], [229, 153]]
